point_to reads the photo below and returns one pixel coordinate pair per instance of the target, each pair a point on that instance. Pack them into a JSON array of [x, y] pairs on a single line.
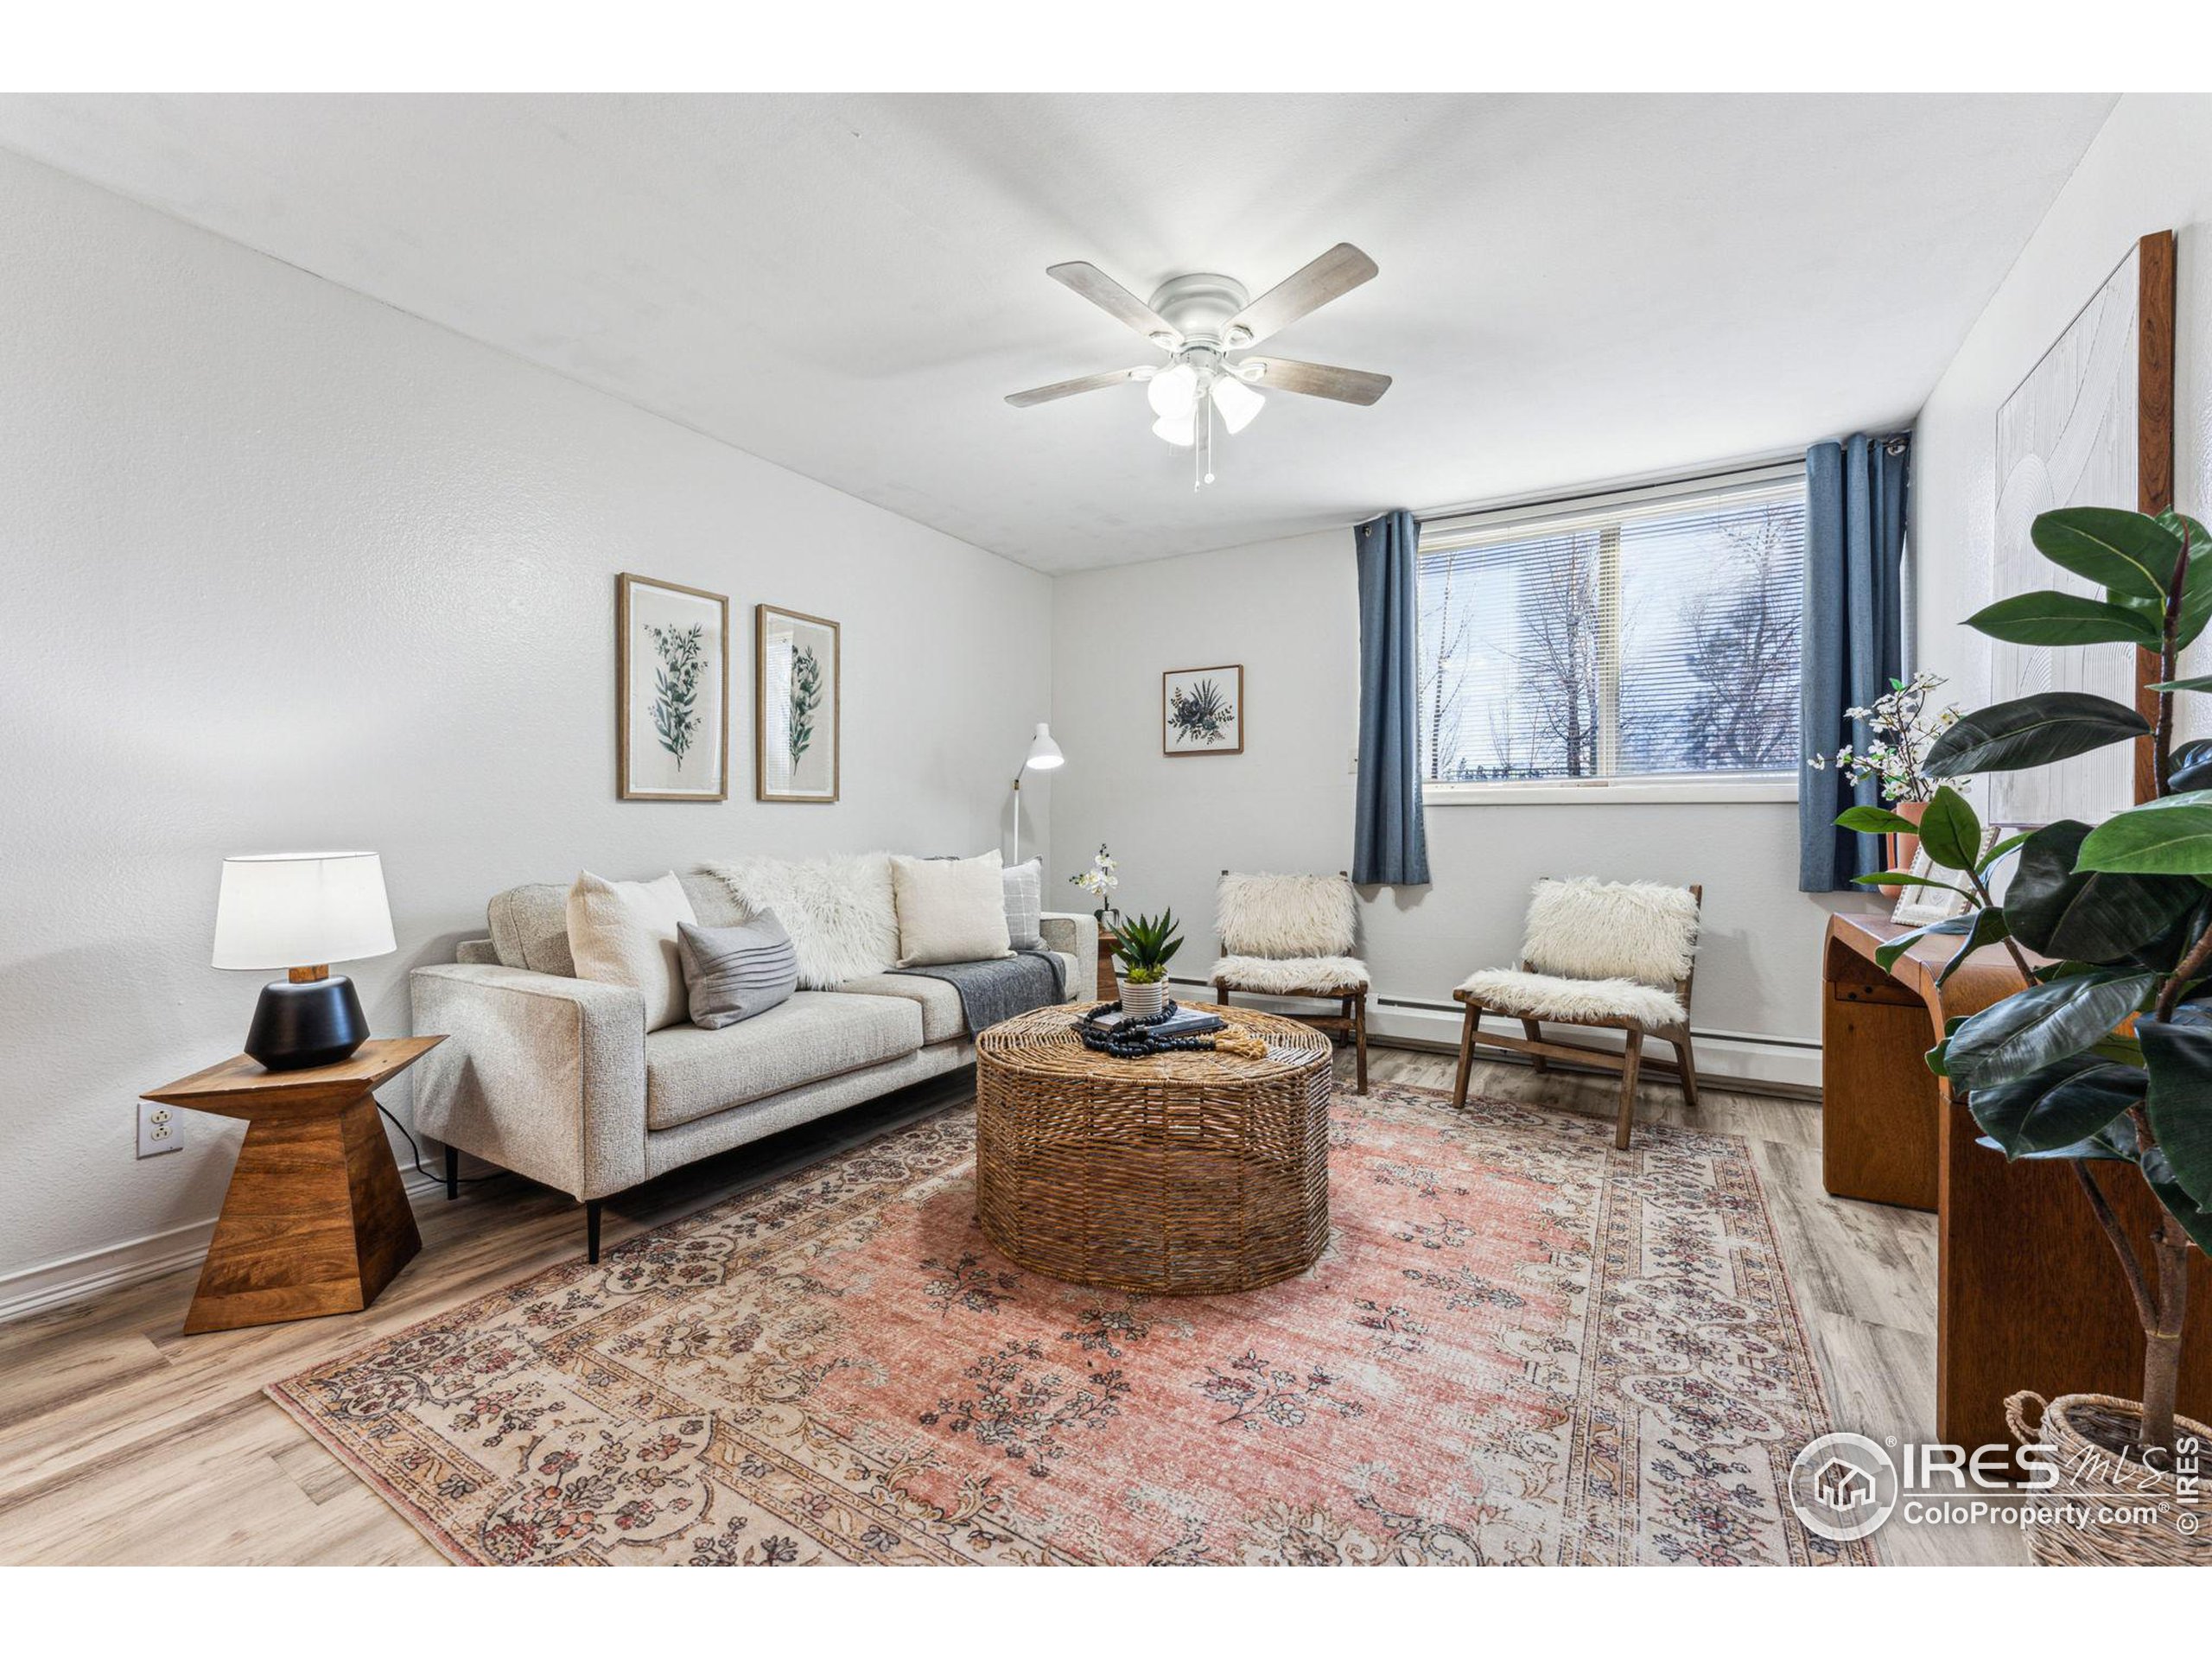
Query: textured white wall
[[287, 568], [1288, 611], [2145, 171]]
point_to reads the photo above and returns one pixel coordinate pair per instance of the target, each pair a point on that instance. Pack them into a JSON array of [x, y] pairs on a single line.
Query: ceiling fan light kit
[[1199, 320]]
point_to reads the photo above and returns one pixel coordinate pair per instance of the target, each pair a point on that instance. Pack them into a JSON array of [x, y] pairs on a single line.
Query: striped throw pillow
[[734, 972], [1024, 901]]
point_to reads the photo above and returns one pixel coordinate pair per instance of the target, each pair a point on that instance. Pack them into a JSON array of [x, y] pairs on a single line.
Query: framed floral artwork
[[672, 686], [1202, 710], [796, 706]]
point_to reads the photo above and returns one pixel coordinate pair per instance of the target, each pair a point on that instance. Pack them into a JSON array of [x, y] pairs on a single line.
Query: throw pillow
[[624, 933], [734, 972], [1024, 906], [949, 910], [839, 911]]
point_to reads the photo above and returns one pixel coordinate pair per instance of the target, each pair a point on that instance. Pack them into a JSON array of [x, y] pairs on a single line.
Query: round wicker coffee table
[[1178, 1175]]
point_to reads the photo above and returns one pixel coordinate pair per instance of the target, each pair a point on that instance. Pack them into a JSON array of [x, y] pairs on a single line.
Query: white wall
[[2148, 170], [287, 568], [1288, 611]]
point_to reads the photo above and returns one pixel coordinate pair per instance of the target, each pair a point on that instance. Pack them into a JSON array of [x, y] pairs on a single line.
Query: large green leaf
[[2031, 732], [2172, 836], [2060, 911], [1876, 821], [1950, 831], [1986, 927], [2192, 768], [2067, 1102], [2203, 682], [1887, 952], [2038, 1026], [2047, 618], [2130, 553], [2177, 1055]]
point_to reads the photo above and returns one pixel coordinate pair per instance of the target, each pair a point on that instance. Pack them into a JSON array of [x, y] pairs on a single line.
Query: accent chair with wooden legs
[[1293, 936], [1615, 956]]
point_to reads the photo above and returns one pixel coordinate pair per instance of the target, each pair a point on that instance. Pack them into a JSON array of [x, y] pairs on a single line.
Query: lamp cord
[[459, 1180]]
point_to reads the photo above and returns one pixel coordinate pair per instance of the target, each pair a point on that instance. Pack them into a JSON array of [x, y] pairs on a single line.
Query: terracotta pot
[[2082, 1431], [1144, 1000], [1904, 847]]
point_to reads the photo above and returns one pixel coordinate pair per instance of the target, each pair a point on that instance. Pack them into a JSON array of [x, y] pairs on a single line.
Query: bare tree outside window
[[1661, 643]]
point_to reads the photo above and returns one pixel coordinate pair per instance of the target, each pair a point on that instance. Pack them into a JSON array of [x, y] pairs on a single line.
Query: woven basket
[[1191, 1173], [2090, 1474]]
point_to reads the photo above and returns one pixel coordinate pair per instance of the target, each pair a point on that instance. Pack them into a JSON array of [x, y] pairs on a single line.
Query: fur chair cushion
[[1570, 1002], [1582, 928], [1288, 976], [840, 913], [1286, 916]]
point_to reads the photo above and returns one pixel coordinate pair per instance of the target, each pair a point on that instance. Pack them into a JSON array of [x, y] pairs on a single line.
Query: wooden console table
[[2028, 1294]]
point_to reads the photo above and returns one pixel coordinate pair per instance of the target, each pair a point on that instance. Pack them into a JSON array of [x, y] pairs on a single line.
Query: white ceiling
[[1572, 288]]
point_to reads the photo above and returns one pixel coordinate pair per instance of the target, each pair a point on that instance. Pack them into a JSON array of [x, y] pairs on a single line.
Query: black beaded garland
[[1131, 1038]]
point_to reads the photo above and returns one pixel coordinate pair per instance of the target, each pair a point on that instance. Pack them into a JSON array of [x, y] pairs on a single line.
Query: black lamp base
[[298, 1024]]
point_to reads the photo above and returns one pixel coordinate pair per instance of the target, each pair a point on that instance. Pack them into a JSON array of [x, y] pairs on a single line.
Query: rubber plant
[[2105, 1059]]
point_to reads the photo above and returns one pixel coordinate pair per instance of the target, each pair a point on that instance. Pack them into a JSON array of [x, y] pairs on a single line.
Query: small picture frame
[[798, 707], [1919, 906], [1202, 710], [671, 688]]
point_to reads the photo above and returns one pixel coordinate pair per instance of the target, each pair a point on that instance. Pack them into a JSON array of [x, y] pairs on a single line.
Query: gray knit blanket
[[999, 989]]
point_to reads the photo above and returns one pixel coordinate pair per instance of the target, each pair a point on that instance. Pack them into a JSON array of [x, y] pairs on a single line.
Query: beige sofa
[[556, 1078]]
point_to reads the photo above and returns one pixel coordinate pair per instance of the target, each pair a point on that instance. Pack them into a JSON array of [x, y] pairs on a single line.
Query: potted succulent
[[2103, 1060], [1902, 731], [1144, 946]]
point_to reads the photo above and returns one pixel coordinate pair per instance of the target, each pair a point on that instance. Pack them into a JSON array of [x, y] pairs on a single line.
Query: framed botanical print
[[1202, 710], [672, 686], [797, 742]]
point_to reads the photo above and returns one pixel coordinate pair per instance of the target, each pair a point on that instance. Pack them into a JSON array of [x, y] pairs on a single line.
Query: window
[[1648, 637]]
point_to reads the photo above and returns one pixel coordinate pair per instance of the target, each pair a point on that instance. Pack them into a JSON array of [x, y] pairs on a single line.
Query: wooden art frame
[[683, 638], [791, 704]]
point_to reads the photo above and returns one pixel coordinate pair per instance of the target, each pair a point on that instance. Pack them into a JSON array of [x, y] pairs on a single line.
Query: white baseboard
[[50, 1284]]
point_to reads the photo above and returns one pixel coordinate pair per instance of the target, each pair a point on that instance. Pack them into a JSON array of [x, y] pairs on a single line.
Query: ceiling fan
[[1198, 320]]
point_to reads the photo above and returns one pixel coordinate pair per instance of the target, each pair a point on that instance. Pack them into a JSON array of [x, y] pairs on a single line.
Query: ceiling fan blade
[[1318, 379], [1037, 394], [1338, 271], [1111, 297]]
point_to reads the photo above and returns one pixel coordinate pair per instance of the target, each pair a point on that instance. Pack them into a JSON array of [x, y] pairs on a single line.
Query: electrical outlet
[[159, 1128]]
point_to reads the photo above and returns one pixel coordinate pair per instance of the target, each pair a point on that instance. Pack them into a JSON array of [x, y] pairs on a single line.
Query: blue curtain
[[1389, 843], [1853, 636]]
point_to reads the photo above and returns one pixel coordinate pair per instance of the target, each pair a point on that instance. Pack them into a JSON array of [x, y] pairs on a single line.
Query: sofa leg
[[453, 1174], [591, 1230], [1631, 1062], [1466, 1058]]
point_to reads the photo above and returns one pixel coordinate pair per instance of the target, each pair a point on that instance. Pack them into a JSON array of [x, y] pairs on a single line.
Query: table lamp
[[301, 912], [1044, 755]]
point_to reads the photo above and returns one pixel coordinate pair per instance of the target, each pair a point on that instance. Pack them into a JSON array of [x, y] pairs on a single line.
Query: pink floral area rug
[[1520, 1346]]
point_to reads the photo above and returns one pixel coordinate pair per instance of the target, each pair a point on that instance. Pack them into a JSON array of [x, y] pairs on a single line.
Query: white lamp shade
[[1043, 754], [1173, 392], [302, 909]]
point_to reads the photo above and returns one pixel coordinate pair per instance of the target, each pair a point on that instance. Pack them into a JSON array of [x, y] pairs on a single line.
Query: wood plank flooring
[[123, 1441]]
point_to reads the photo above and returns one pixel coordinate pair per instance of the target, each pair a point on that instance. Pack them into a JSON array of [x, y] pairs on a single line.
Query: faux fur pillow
[[1583, 928], [839, 911], [1284, 915]]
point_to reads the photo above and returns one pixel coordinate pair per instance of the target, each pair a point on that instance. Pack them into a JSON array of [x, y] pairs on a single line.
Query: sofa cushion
[[1024, 906], [736, 973], [624, 933], [529, 924], [690, 1073], [838, 911], [941, 1018], [949, 909]]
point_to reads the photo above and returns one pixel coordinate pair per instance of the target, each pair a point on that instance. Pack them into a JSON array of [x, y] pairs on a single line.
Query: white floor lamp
[[1044, 756]]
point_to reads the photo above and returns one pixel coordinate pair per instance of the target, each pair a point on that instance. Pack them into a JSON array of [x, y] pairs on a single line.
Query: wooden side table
[[315, 1220], [1107, 990]]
